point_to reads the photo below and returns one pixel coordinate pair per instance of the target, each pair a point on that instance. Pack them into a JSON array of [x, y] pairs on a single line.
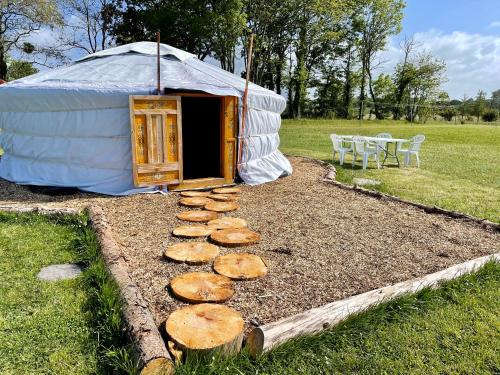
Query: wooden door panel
[[228, 144], [156, 140]]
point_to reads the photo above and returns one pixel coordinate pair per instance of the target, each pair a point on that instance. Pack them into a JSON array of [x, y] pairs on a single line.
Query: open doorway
[[183, 140], [201, 137]]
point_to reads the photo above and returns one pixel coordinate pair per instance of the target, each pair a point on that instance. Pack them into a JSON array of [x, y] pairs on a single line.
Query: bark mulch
[[321, 243]]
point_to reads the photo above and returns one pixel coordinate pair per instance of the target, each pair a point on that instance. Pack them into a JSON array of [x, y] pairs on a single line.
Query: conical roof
[[133, 67]]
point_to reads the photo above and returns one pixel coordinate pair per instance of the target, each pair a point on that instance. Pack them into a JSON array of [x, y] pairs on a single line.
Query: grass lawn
[[53, 327], [460, 164]]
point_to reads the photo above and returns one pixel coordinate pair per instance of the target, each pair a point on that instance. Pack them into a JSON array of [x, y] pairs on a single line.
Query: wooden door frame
[[224, 179]]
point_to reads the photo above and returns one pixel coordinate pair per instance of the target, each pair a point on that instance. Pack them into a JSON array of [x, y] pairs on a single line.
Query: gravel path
[[321, 243]]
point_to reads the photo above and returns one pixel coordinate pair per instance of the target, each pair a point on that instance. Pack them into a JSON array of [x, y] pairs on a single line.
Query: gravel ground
[[321, 243]]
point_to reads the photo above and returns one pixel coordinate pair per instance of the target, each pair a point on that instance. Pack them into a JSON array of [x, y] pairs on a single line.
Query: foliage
[[418, 80], [379, 19], [18, 20], [490, 115], [479, 105], [448, 114], [19, 69], [205, 28]]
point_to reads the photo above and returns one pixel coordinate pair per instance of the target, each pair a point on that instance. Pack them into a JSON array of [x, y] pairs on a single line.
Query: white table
[[387, 141]]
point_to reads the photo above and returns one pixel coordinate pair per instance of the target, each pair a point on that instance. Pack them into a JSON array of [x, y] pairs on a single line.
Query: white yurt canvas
[[70, 127]]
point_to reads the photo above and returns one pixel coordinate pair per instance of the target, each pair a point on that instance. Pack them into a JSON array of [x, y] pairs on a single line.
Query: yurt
[[99, 125]]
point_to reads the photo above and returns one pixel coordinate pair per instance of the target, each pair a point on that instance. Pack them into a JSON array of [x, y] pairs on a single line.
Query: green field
[[460, 164]]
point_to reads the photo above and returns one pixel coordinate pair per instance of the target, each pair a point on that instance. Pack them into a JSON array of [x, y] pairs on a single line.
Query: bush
[[490, 115], [448, 114]]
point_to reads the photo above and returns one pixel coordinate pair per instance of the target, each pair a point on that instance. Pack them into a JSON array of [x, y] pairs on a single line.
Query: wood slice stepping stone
[[227, 190], [224, 197], [221, 206], [198, 216], [192, 231], [199, 287], [241, 266], [227, 223], [194, 201], [190, 194], [159, 366], [235, 237], [192, 252], [206, 329]]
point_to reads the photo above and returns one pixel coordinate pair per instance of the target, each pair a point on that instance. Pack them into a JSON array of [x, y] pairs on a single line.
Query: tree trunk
[[347, 95], [279, 73], [374, 99], [300, 74], [3, 64], [362, 90]]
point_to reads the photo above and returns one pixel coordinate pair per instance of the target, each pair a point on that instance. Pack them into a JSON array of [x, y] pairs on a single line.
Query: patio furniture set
[[379, 147]]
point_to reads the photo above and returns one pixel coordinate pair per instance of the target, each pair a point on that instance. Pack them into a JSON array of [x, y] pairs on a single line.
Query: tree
[[202, 27], [379, 20], [19, 19], [87, 24], [317, 31], [407, 46], [383, 92], [495, 100], [19, 69], [273, 23], [479, 105], [423, 76]]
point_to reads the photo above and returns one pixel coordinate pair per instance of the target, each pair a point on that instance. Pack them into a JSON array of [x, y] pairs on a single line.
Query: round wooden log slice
[[194, 201], [190, 194], [235, 237], [158, 366], [198, 216], [227, 190], [224, 197], [227, 223], [241, 266], [192, 252], [206, 329], [192, 231], [221, 206], [199, 287]]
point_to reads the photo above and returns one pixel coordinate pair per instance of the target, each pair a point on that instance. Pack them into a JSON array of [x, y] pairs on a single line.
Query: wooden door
[[228, 138], [156, 123]]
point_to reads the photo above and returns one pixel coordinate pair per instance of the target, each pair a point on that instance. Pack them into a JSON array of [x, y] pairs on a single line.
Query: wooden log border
[[264, 338], [140, 323], [141, 327]]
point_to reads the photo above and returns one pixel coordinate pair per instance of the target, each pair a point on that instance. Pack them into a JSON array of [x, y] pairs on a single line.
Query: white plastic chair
[[413, 149], [381, 144], [338, 147], [361, 147]]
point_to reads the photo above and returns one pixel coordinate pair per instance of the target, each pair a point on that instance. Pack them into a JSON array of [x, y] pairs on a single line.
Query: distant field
[[460, 167]]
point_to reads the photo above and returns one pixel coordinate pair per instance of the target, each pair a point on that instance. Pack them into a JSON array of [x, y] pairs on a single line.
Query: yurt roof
[[132, 67]]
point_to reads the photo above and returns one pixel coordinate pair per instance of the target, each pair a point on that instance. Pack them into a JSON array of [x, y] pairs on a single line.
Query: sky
[[464, 33]]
